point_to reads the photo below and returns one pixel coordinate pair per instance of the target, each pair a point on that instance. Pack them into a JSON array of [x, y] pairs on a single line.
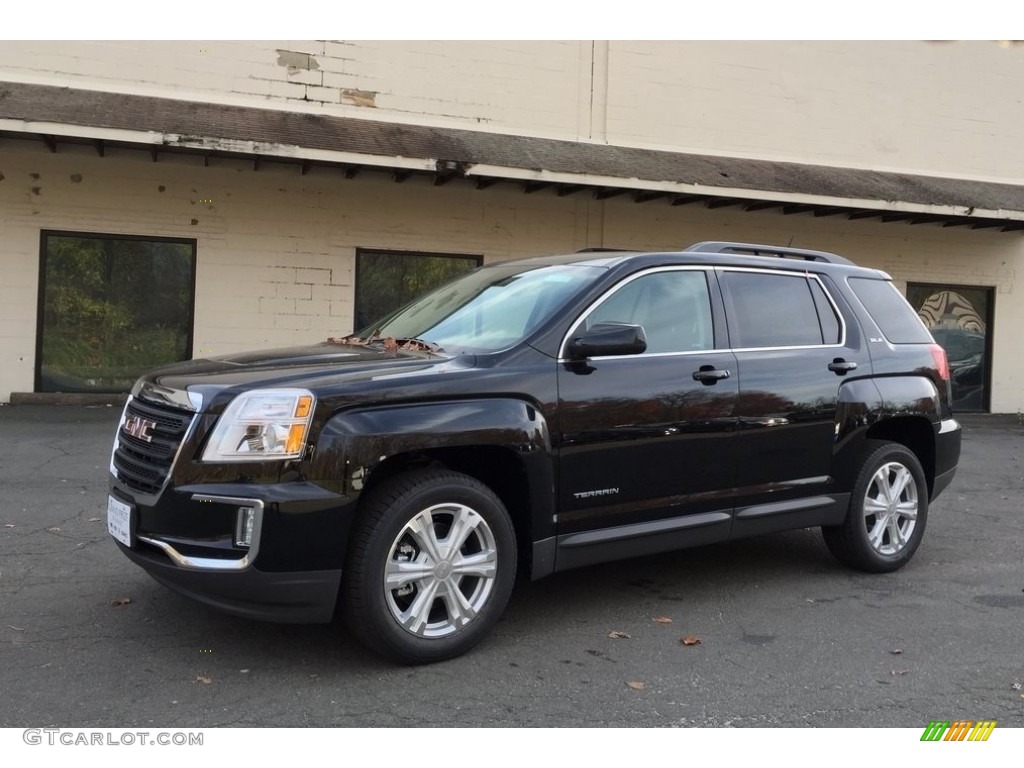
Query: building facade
[[166, 200]]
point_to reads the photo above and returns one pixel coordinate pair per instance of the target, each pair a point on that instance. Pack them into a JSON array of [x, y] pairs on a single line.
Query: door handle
[[708, 375], [840, 367]]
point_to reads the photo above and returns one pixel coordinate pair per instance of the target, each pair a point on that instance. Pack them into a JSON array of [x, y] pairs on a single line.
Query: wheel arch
[[497, 467], [914, 432], [502, 442], [898, 409]]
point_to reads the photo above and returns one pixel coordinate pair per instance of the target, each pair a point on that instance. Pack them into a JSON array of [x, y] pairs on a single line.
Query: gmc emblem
[[136, 426]]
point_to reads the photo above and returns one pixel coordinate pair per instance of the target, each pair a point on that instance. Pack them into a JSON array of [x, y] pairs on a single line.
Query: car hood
[[321, 368]]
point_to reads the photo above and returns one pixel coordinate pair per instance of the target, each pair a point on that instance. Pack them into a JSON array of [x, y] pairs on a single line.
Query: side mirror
[[607, 339]]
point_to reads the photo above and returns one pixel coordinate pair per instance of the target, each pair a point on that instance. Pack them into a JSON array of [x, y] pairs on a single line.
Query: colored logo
[[958, 730]]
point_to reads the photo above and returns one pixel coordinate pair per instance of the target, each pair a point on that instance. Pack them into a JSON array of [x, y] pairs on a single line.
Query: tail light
[[941, 362]]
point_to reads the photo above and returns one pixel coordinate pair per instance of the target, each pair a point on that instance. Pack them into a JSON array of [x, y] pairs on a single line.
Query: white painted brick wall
[[946, 108], [943, 108], [276, 250]]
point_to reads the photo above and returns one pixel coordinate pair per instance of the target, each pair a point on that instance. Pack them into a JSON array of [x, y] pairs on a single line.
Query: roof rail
[[753, 249], [602, 250]]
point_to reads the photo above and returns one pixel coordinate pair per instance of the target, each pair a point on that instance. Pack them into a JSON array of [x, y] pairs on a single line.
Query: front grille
[[144, 465]]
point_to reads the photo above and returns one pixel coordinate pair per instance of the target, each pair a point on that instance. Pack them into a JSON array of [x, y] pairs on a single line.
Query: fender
[[909, 396], [353, 444], [863, 402], [887, 407]]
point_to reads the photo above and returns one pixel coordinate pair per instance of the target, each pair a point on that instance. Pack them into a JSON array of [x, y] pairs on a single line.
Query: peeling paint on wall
[[296, 61], [359, 98]]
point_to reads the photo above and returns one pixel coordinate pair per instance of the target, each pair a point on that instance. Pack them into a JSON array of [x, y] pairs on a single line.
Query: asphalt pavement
[[780, 634]]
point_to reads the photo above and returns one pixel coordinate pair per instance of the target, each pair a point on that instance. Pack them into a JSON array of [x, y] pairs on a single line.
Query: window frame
[[41, 291], [806, 276], [711, 282]]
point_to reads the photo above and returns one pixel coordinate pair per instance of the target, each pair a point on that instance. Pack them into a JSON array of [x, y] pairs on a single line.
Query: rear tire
[[430, 568], [888, 511]]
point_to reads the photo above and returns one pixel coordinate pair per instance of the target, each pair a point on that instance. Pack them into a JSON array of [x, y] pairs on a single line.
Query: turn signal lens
[[295, 435]]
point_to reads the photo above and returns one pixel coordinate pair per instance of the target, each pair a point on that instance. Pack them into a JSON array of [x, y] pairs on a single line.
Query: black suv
[[535, 416]]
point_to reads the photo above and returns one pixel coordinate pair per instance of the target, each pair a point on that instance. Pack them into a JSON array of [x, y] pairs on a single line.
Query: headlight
[[262, 424]]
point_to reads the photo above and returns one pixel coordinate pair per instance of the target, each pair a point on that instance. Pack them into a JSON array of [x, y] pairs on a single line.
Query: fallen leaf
[[204, 679], [899, 672], [661, 620], [95, 519], [896, 651], [121, 601], [616, 635], [690, 640], [17, 629], [636, 685], [55, 529], [1016, 686], [244, 671], [8, 525]]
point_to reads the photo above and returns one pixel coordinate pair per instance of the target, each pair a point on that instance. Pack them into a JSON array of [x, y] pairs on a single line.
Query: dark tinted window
[[112, 308], [894, 316], [387, 280], [768, 310], [960, 318], [673, 308]]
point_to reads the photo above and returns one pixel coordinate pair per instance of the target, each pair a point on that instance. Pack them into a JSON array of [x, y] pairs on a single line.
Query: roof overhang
[[58, 115]]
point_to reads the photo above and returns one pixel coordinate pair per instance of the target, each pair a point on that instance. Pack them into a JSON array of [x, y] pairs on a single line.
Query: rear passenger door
[[794, 349]]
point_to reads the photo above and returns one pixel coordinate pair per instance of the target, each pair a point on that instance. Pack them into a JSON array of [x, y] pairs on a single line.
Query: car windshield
[[489, 309]]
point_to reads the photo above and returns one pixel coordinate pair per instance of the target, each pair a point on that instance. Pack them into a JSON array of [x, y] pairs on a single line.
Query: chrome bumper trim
[[214, 563]]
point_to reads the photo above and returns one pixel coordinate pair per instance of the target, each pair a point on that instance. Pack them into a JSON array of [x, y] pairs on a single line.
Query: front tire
[[888, 511], [431, 566]]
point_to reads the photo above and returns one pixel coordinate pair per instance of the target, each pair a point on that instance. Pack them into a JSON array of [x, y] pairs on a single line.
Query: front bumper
[[291, 572], [288, 597]]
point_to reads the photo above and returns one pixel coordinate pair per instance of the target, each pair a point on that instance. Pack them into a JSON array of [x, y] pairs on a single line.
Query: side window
[[673, 307], [894, 316], [775, 310]]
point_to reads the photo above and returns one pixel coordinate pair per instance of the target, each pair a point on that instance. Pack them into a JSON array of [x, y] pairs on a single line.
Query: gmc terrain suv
[[535, 416]]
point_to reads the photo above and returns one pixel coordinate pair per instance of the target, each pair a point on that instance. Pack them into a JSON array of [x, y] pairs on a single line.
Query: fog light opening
[[244, 525]]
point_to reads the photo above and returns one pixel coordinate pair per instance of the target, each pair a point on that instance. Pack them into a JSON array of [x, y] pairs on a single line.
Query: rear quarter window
[[895, 318]]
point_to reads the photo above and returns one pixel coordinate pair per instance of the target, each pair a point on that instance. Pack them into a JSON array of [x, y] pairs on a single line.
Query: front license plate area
[[119, 520]]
